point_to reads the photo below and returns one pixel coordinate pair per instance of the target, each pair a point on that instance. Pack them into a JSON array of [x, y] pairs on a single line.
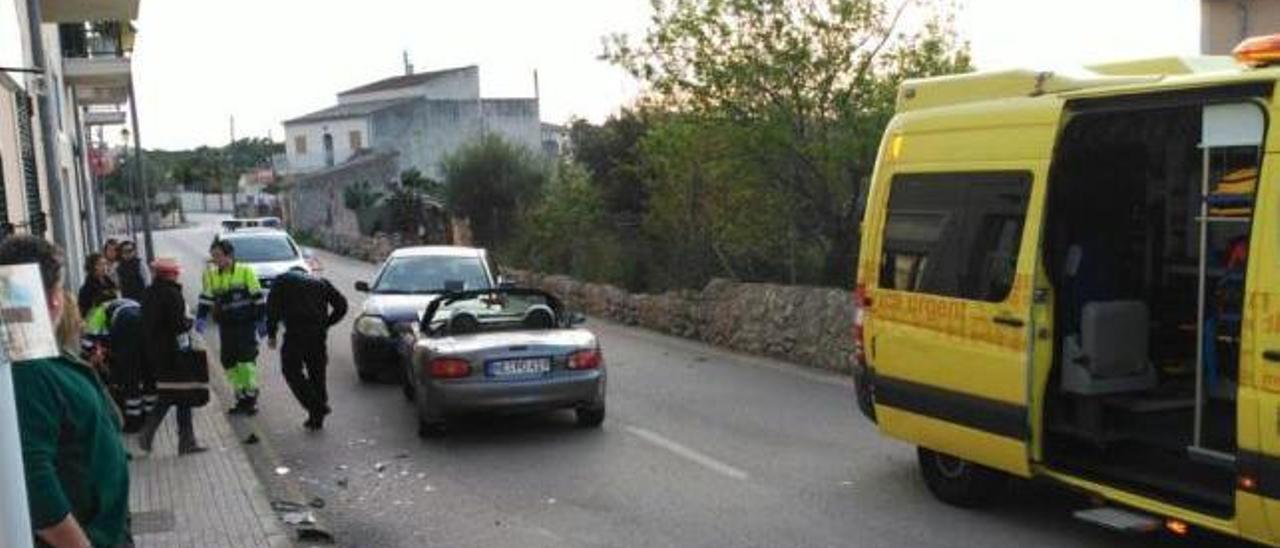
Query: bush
[[489, 182], [567, 230]]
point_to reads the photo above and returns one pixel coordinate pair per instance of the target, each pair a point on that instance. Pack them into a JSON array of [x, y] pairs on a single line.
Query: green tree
[[611, 153], [566, 231], [119, 185], [796, 93], [490, 181], [413, 179], [360, 196], [247, 154], [412, 208]]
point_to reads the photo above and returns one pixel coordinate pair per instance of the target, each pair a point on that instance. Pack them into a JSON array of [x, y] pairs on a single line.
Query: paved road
[[701, 448]]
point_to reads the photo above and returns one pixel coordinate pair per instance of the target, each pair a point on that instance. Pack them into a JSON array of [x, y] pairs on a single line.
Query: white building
[[555, 140], [78, 59], [423, 117]]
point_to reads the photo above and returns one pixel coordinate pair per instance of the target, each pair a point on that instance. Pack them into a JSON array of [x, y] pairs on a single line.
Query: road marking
[[688, 453]]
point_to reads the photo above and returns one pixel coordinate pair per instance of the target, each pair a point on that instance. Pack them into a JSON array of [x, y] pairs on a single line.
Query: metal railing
[[97, 39]]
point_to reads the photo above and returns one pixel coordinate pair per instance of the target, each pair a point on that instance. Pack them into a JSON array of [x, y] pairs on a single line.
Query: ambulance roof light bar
[[1258, 51]]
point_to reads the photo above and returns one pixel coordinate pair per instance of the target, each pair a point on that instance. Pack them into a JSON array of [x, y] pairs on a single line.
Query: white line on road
[[688, 453]]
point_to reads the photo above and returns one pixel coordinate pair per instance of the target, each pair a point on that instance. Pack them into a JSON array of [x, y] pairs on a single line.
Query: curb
[[277, 533], [261, 457]]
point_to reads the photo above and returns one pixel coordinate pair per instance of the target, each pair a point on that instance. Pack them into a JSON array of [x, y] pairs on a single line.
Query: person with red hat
[[165, 319]]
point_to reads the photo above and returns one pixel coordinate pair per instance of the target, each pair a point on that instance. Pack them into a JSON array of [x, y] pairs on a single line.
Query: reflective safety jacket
[[115, 317], [233, 296]]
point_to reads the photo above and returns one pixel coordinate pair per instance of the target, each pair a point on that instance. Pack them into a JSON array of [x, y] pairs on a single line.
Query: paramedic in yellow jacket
[[232, 296]]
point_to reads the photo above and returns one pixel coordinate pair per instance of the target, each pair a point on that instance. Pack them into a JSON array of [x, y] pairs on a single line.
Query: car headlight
[[372, 326]]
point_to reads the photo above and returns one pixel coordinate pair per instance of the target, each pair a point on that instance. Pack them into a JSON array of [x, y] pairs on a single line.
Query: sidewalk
[[209, 499]]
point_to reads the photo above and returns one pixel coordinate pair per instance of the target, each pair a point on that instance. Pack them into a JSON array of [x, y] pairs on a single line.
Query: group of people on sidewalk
[[73, 409], [130, 335]]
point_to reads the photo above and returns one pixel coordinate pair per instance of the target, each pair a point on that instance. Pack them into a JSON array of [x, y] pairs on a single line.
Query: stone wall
[[810, 326], [315, 203], [374, 249]]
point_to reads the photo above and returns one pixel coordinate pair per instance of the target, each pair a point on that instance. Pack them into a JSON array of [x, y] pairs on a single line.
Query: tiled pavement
[[211, 499]]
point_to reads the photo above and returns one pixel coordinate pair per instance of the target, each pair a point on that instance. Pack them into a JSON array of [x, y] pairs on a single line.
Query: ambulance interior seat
[[1109, 354], [1106, 350]]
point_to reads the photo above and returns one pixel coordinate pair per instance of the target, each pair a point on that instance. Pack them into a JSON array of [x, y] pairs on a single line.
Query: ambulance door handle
[[1271, 355], [1009, 321]]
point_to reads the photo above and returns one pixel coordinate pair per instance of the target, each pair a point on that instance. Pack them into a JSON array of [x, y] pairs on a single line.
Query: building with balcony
[[423, 117], [75, 76]]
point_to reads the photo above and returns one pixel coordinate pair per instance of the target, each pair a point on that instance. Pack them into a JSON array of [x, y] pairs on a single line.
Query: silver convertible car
[[502, 350]]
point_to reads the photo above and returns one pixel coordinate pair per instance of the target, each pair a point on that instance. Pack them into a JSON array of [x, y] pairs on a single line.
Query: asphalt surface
[[701, 447]]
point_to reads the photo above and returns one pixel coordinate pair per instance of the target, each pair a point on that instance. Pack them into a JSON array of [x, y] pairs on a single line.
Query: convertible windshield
[[433, 274], [264, 249], [473, 311]]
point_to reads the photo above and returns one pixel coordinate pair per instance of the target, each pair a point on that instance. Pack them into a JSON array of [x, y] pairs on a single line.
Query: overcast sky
[[199, 62]]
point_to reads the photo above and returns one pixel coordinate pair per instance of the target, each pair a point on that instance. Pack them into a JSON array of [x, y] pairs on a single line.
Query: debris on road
[[298, 518], [402, 455], [317, 502], [252, 439], [312, 534], [282, 470], [287, 506], [380, 466], [342, 482]]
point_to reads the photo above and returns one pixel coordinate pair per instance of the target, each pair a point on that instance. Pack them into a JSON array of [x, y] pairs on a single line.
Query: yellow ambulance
[[1076, 277]]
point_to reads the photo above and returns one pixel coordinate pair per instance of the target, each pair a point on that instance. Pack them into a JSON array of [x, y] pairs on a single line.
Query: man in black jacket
[[308, 306], [130, 271]]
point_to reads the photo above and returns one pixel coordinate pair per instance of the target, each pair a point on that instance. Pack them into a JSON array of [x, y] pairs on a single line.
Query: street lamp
[[131, 224], [149, 245]]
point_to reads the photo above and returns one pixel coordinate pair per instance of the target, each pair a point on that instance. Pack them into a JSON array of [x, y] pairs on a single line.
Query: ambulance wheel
[[959, 482]]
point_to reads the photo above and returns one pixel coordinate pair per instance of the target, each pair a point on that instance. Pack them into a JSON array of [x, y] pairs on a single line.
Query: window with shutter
[[31, 179]]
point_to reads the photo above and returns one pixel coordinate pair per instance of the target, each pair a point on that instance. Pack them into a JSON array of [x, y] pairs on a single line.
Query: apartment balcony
[[70, 11], [96, 60], [95, 117]]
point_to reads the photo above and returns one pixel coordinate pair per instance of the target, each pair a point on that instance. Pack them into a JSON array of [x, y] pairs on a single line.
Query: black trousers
[[303, 359], [186, 426]]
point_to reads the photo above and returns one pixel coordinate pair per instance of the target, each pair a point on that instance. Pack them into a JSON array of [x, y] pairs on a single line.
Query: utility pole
[[142, 190], [235, 183], [15, 521]]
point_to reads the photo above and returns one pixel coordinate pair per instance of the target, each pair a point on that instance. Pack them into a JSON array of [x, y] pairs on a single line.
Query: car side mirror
[[577, 318], [362, 286]]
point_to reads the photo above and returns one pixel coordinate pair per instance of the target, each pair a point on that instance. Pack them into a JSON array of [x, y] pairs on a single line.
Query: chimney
[[408, 66]]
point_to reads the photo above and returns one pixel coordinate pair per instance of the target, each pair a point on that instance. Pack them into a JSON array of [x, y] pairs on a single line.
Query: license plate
[[519, 367]]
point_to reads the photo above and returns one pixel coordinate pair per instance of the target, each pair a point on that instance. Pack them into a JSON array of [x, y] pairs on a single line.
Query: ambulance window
[[955, 234]]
